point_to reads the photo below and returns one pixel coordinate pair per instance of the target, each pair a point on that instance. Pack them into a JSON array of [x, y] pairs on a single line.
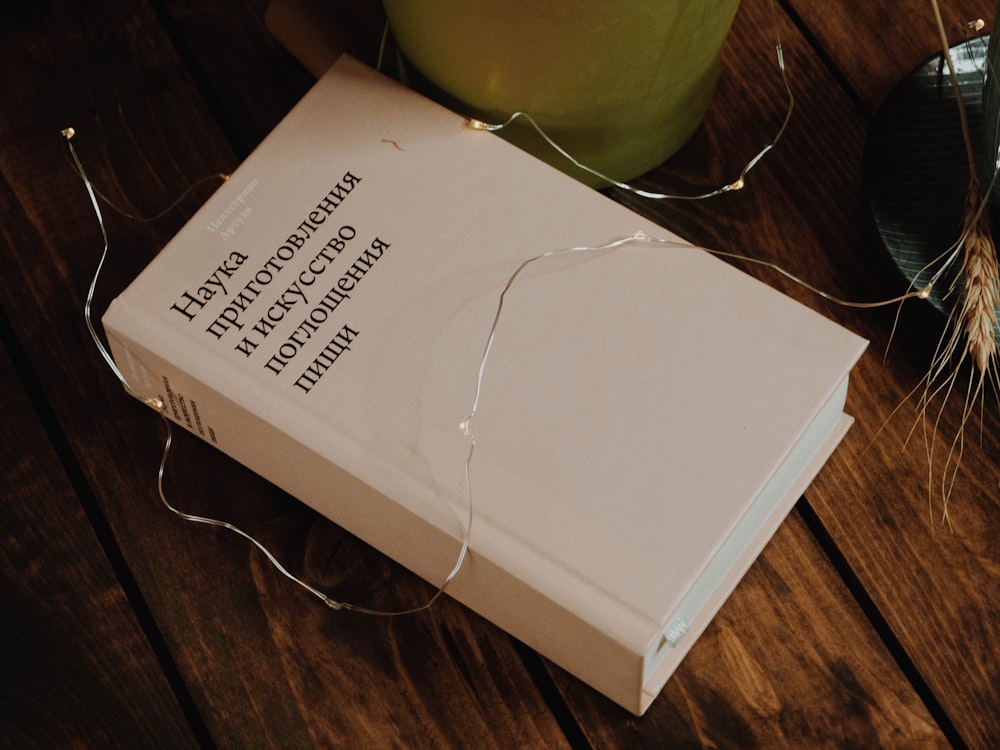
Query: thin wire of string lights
[[637, 240], [466, 425], [738, 184], [158, 406]]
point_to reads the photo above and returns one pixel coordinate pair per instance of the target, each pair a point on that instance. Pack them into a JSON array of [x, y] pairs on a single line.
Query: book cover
[[648, 414]]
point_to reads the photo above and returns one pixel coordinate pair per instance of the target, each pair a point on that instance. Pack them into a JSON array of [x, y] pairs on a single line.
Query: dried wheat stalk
[[970, 334], [972, 326], [980, 284]]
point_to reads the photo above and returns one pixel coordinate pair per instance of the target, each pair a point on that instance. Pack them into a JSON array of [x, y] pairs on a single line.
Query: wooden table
[[864, 623]]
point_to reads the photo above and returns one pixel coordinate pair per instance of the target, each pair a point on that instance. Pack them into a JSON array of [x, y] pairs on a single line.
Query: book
[[649, 414]]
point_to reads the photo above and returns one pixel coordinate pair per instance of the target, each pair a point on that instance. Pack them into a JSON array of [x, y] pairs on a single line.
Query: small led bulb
[[154, 403]]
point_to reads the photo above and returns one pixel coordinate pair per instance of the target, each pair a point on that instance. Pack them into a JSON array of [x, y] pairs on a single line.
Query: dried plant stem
[[971, 332], [946, 51], [981, 291], [979, 272]]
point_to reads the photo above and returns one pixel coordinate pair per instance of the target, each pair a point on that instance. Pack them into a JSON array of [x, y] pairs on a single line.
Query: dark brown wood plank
[[789, 661], [874, 45], [938, 589], [265, 663], [77, 667]]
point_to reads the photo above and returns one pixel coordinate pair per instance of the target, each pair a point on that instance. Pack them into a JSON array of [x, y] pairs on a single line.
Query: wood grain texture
[[77, 667], [789, 661], [875, 45], [939, 589]]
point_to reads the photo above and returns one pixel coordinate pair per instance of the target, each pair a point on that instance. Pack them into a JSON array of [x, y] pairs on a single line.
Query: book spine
[[242, 434]]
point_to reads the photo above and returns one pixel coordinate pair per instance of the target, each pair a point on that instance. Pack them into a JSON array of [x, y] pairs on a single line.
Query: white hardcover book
[[648, 414]]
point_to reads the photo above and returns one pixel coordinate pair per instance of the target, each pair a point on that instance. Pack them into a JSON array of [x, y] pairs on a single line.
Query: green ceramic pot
[[620, 86]]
